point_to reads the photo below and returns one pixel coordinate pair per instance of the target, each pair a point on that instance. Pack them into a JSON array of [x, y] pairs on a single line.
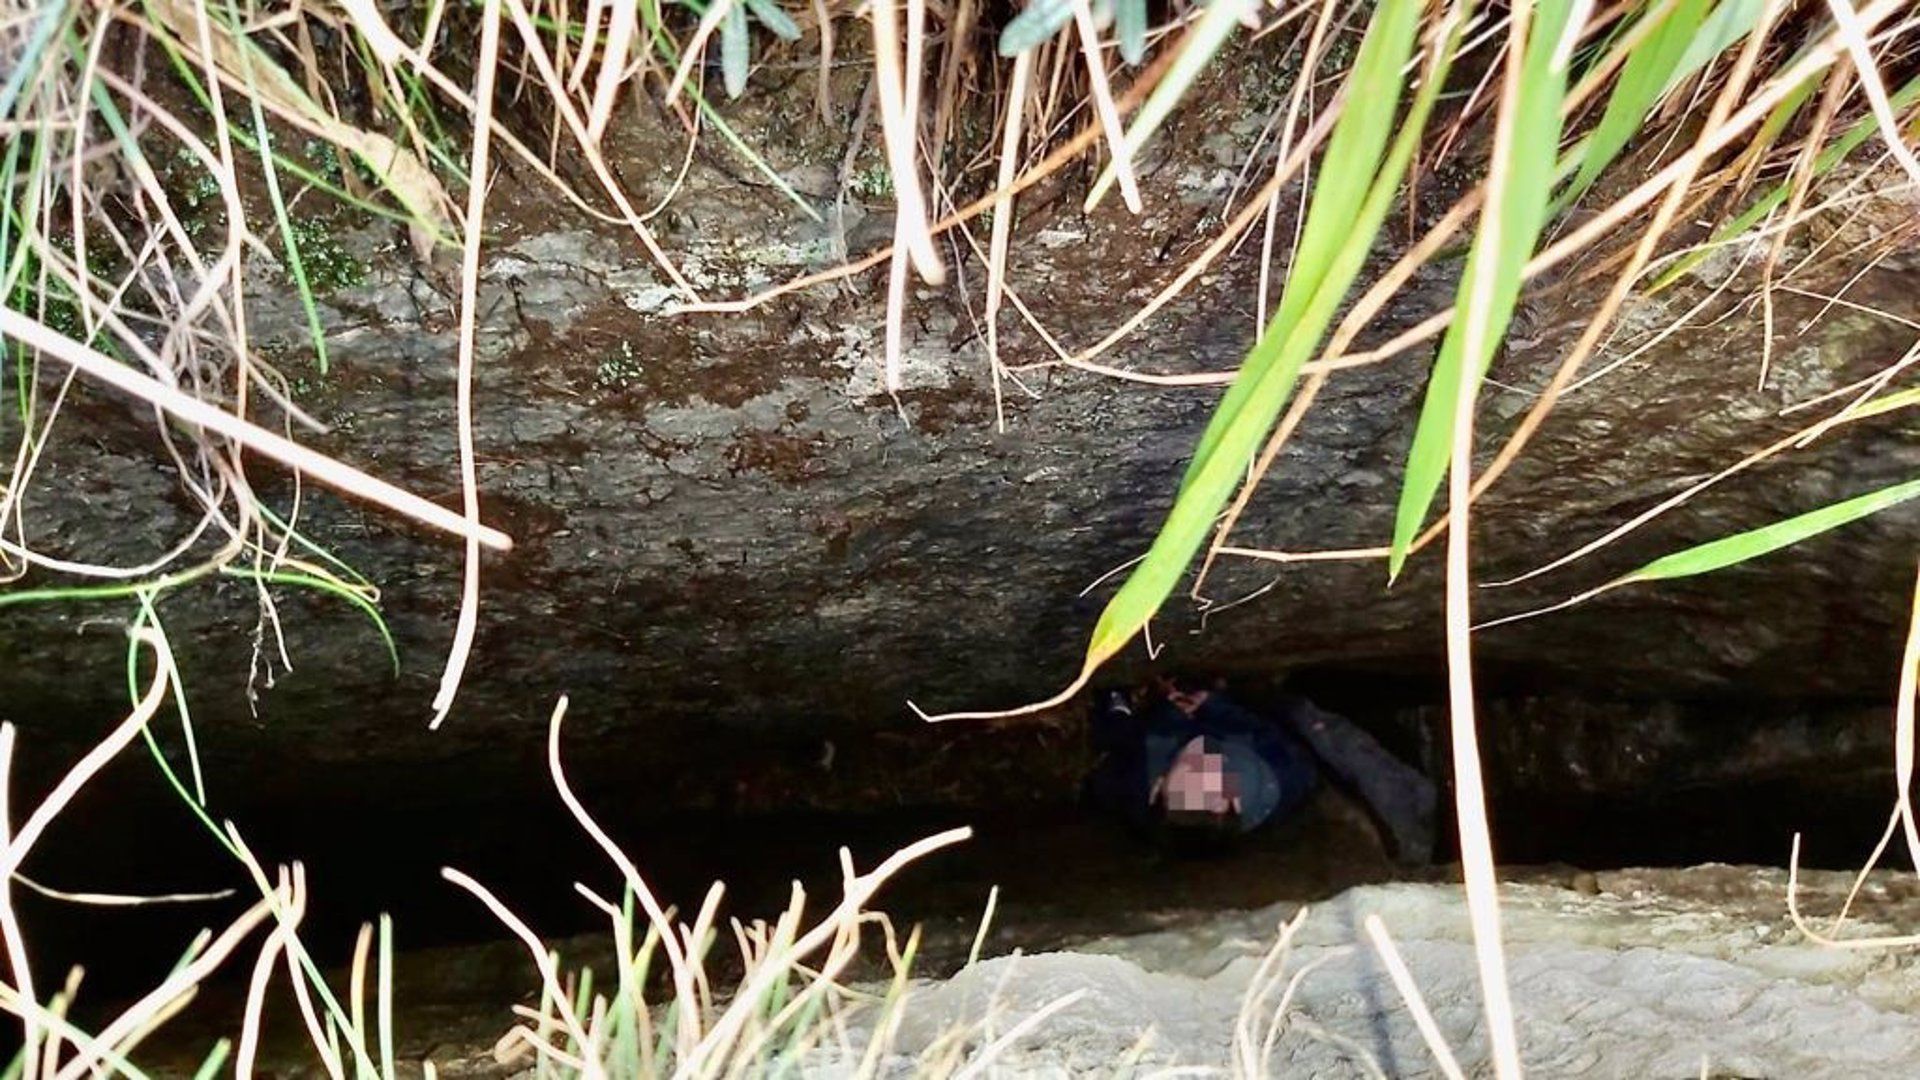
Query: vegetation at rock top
[[164, 161]]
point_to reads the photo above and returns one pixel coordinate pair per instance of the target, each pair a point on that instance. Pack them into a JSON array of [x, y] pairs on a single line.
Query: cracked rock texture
[[1633, 974], [734, 548]]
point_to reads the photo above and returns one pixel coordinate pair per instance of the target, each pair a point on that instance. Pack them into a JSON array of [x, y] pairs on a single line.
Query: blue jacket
[[1137, 748]]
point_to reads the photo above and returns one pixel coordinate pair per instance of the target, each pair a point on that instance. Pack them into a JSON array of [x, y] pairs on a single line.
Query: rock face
[[1636, 974], [734, 548]]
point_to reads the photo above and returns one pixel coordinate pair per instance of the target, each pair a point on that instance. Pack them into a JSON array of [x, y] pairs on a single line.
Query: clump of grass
[[788, 998], [51, 1046]]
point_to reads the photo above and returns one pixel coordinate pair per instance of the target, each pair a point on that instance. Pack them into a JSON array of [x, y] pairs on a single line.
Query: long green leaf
[[1339, 234], [1346, 177], [296, 264], [1753, 543], [54, 21], [1521, 217], [1642, 80], [1731, 21]]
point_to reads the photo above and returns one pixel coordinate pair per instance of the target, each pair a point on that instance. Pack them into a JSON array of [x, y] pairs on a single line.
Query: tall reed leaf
[[1643, 78], [1529, 162], [1824, 163], [1731, 21], [1359, 178], [1738, 548]]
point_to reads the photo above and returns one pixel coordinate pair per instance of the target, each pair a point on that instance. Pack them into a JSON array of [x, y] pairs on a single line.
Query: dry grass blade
[[399, 170], [1854, 32], [553, 988], [45, 1032], [1643, 252], [1285, 171], [716, 1031], [1903, 727], [621, 30], [982, 1063], [479, 170], [550, 77], [657, 919], [696, 48], [1003, 222], [994, 200], [1103, 105], [343, 478], [1530, 97], [1415, 1002], [898, 88], [1197, 49]]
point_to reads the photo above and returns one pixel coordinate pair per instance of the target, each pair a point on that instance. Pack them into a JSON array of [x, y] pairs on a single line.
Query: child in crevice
[[1195, 771]]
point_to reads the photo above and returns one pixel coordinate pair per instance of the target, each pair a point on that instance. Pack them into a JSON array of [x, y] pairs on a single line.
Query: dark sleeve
[[1274, 737], [1117, 731], [1226, 717]]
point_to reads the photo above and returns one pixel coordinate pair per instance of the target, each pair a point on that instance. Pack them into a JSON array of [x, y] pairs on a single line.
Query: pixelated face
[[1198, 781]]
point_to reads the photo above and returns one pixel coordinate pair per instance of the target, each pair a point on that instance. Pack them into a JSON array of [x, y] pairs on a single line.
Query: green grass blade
[[54, 19], [326, 585], [1731, 21], [670, 54], [777, 22], [296, 266], [1197, 49], [12, 261], [216, 1059], [734, 57], [188, 74], [1862, 130], [354, 577], [1882, 405], [1530, 166], [1312, 297], [1740, 547], [1642, 80], [1034, 26], [150, 616], [1130, 26], [115, 591], [1347, 175], [337, 1016], [748, 154]]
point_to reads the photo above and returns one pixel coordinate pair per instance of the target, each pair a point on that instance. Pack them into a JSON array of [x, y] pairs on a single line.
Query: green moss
[[329, 266], [873, 183], [618, 370]]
